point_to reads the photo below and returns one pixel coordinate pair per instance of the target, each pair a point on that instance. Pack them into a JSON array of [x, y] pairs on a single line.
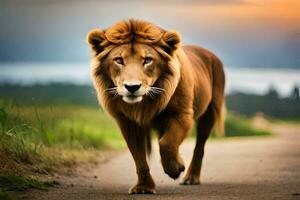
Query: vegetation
[[50, 94], [51, 139], [239, 125], [271, 104], [34, 133], [10, 182]]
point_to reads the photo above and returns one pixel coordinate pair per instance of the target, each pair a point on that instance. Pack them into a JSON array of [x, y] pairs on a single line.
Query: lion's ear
[[96, 38], [172, 39]]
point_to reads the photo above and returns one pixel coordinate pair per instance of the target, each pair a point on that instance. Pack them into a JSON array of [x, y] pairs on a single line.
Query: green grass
[[46, 137], [49, 139], [286, 121], [70, 126], [238, 125], [22, 183], [11, 185], [6, 195]]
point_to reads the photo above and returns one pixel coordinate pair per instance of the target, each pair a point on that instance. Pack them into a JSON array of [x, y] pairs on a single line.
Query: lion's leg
[[204, 126], [177, 129], [136, 142]]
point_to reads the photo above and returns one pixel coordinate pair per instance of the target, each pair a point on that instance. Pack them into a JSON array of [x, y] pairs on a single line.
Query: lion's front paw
[[142, 189], [190, 179], [173, 167]]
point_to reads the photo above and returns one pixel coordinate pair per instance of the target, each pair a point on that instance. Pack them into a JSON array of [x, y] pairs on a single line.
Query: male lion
[[146, 80]]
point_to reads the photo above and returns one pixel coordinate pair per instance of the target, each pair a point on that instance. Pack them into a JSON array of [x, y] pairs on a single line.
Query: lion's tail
[[220, 114], [218, 102]]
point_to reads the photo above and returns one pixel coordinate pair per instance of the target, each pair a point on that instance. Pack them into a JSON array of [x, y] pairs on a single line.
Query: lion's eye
[[147, 60], [119, 61]]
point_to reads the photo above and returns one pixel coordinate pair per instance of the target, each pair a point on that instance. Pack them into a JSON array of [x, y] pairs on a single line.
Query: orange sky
[[288, 10]]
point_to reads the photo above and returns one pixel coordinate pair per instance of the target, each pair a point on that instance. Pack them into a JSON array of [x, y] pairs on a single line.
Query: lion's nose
[[132, 88]]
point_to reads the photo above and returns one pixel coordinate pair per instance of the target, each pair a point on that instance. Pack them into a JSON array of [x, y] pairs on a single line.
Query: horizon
[[247, 80]]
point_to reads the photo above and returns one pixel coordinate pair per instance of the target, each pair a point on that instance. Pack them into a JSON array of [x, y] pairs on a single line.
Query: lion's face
[[130, 57], [134, 68]]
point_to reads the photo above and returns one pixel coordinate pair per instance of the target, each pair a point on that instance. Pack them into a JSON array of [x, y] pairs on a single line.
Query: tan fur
[[220, 118], [192, 80]]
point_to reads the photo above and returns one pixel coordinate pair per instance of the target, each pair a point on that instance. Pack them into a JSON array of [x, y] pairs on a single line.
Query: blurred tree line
[[270, 104], [54, 93]]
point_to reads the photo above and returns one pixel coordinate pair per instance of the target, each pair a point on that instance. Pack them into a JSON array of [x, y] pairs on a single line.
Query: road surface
[[235, 168]]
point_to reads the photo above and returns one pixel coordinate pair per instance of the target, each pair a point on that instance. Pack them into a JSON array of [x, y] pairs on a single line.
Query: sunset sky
[[243, 33]]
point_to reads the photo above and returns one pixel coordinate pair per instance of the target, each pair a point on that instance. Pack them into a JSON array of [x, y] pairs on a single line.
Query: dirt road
[[237, 168]]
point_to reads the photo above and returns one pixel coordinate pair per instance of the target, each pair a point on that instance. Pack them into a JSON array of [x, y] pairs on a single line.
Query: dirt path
[[238, 168]]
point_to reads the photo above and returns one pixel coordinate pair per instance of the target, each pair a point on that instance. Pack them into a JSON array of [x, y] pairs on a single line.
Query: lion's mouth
[[132, 98]]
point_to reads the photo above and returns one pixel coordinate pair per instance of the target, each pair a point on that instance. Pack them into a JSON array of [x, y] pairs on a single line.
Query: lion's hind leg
[[204, 127]]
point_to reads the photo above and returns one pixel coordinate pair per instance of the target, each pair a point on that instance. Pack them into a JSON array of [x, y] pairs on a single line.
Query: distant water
[[259, 80], [31, 73], [249, 80]]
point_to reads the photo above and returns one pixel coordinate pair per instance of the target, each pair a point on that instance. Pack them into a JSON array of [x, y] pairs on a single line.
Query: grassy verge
[[287, 121], [36, 134], [11, 185], [239, 125], [50, 139]]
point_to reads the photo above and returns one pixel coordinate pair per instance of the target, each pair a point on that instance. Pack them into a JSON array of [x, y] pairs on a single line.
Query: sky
[[243, 33]]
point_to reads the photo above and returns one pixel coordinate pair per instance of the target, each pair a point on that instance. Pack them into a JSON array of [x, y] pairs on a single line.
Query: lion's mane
[[136, 31]]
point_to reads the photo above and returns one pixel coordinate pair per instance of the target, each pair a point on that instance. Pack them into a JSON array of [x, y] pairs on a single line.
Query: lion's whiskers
[[157, 90], [112, 90], [109, 89], [154, 91], [150, 93]]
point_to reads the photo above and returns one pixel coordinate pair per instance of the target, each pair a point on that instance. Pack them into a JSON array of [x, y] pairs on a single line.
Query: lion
[[146, 80]]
